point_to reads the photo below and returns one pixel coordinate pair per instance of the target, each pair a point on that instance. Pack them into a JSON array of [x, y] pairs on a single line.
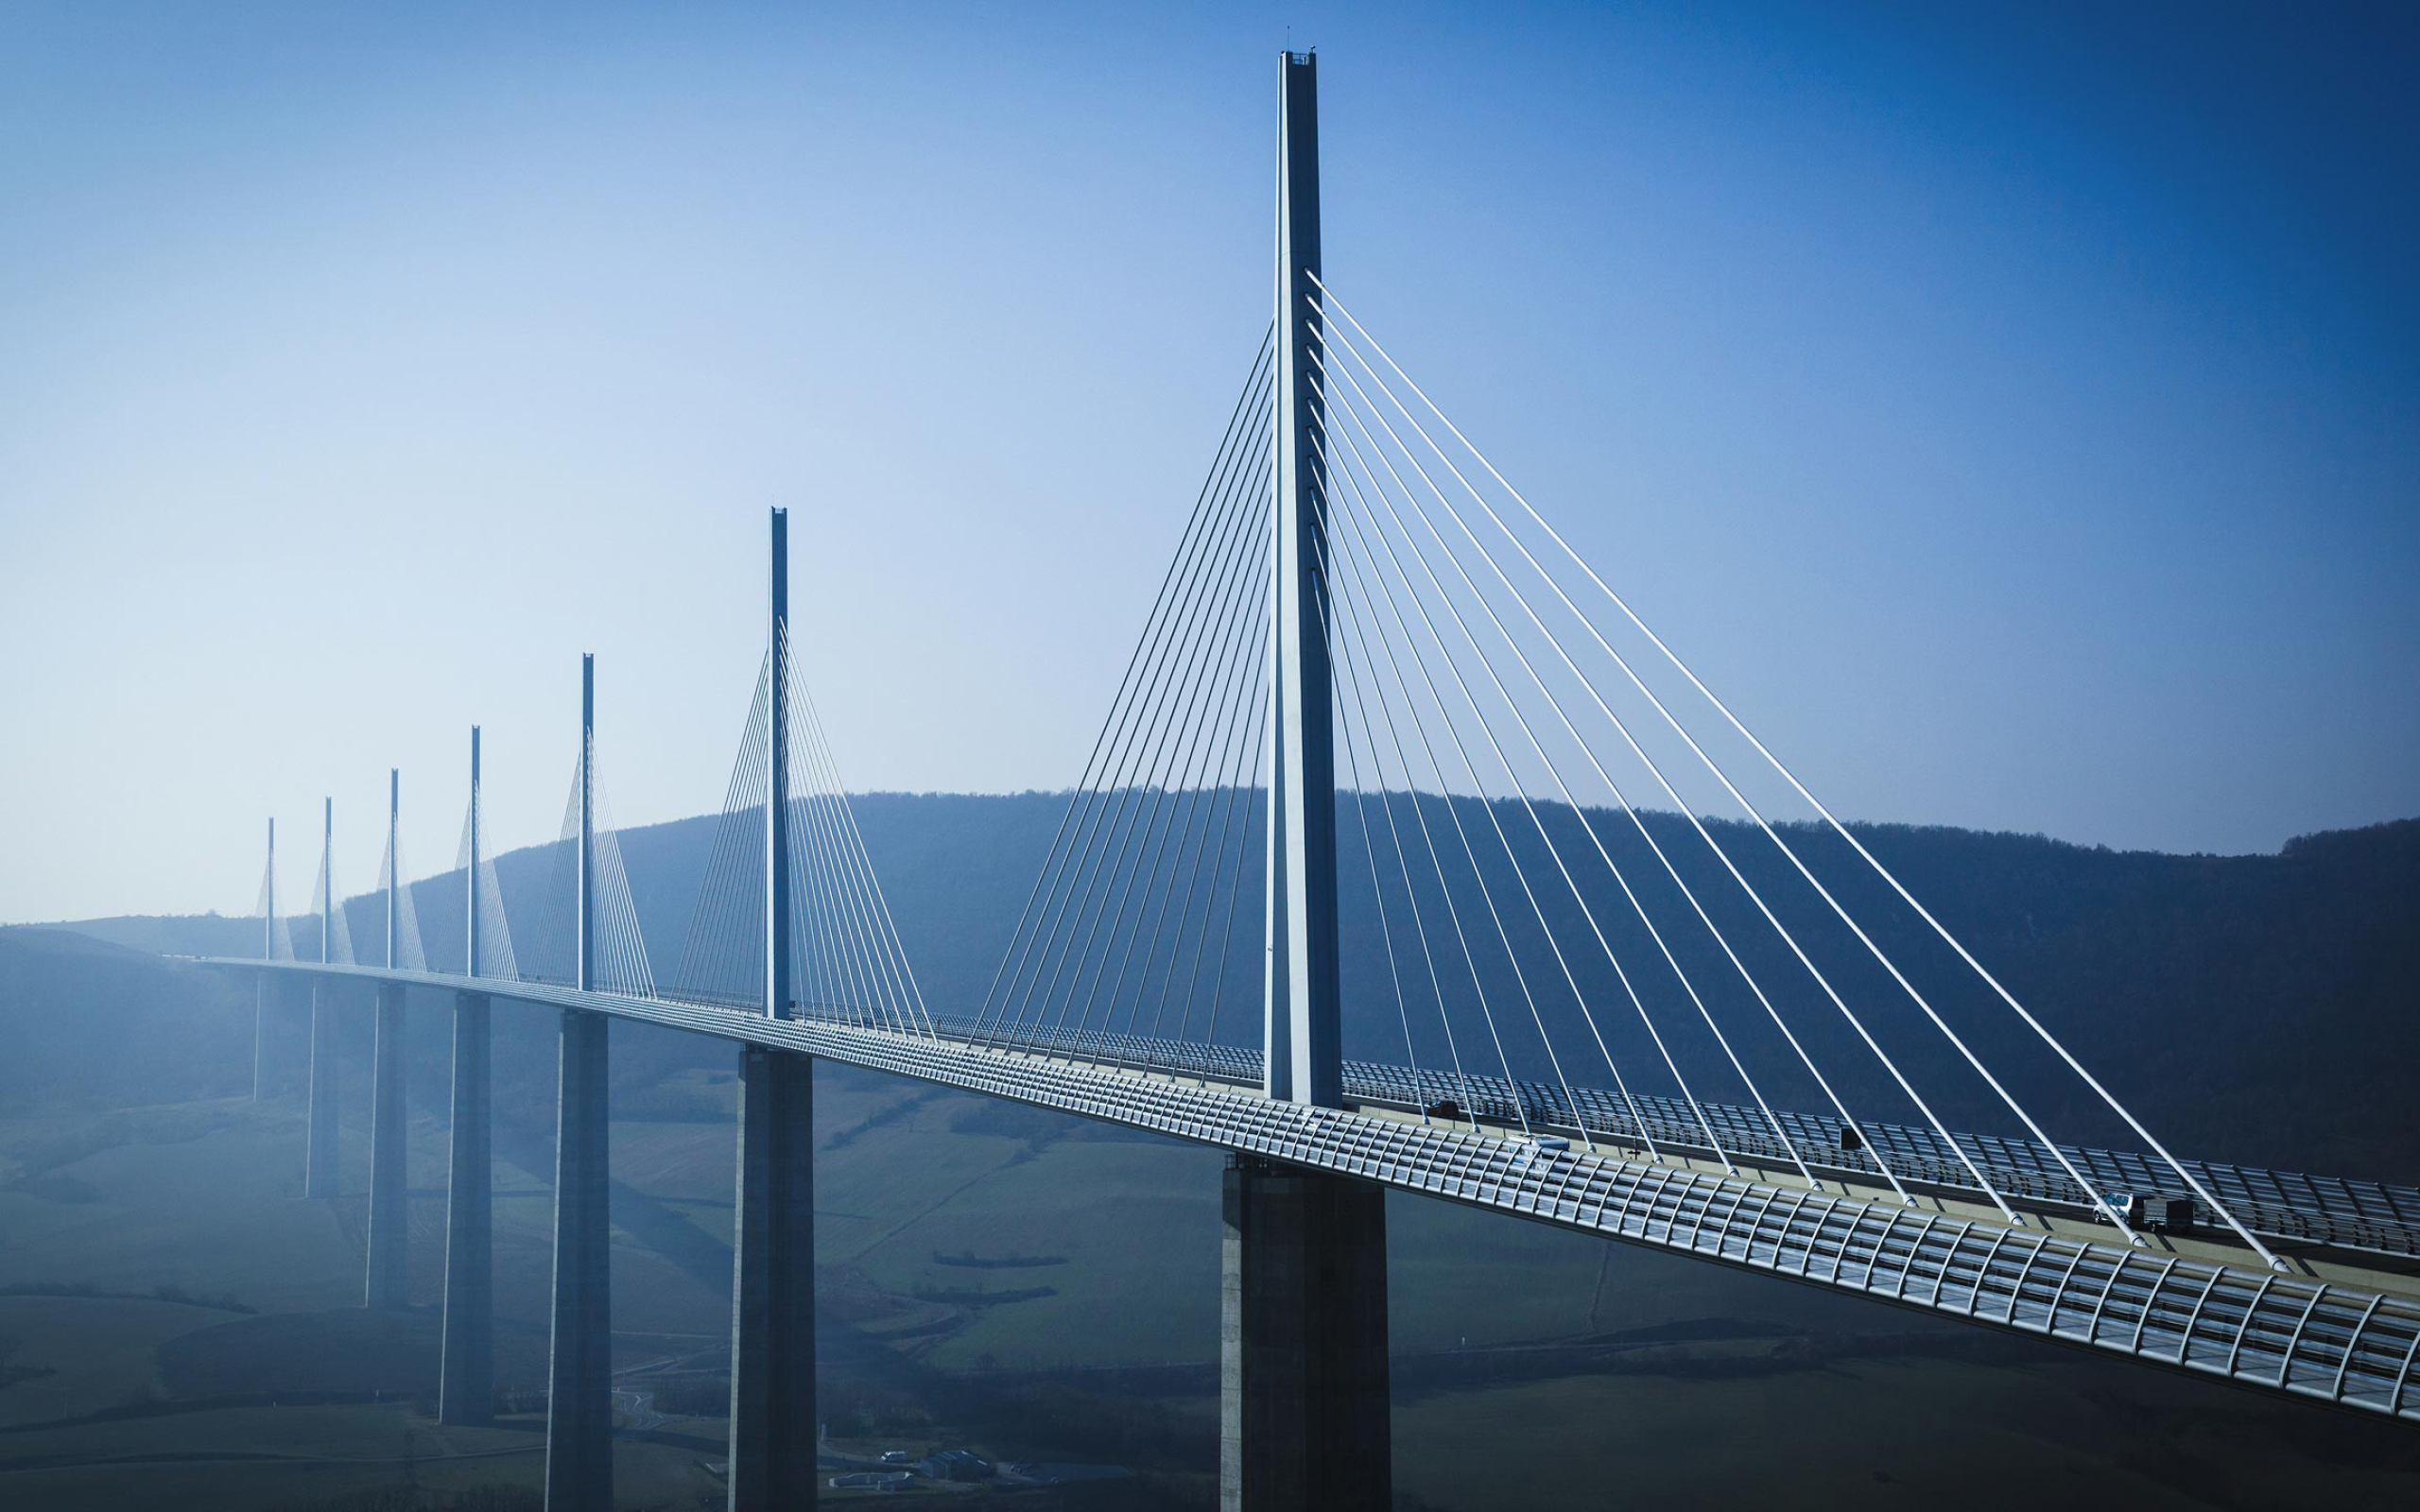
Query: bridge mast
[[579, 1398], [773, 1444], [1304, 1047], [471, 876], [466, 1347], [584, 971], [394, 862], [320, 1129], [777, 784], [1303, 1259], [328, 880], [263, 988], [386, 1282]]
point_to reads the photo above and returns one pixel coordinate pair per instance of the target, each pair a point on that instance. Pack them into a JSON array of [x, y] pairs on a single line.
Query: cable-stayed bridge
[[1390, 762]]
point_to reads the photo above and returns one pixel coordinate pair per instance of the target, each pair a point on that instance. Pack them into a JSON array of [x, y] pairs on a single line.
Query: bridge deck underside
[[2278, 1332]]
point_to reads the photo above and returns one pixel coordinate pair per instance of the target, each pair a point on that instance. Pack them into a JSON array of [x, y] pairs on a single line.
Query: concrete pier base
[[772, 1290], [579, 1401], [319, 1134], [386, 1283], [1304, 1418], [466, 1356]]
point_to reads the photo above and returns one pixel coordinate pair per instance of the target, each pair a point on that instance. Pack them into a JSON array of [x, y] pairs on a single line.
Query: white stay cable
[[1213, 689], [820, 874], [1909, 899], [1411, 895], [712, 949], [626, 950], [557, 944], [865, 882], [1377, 891], [496, 940], [1570, 801], [494, 937], [1231, 776], [1587, 1015], [462, 865], [339, 925], [1216, 788], [409, 953], [1186, 661], [1237, 679], [623, 955], [1070, 890], [2039, 1029], [1198, 526], [869, 881], [1445, 889], [1837, 1000], [495, 931], [1234, 895], [1503, 935], [1638, 906], [278, 942], [832, 968], [385, 890], [816, 879], [816, 890]]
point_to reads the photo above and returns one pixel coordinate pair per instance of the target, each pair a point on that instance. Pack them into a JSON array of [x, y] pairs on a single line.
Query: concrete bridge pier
[[1303, 1413], [264, 993], [579, 1400], [320, 1136], [386, 1283], [1303, 1329], [772, 1291], [466, 1356], [277, 999]]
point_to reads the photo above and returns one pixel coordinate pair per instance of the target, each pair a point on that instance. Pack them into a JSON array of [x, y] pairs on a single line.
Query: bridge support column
[[264, 993], [1303, 1417], [466, 1357], [386, 1283], [772, 1286], [579, 1400], [319, 1136]]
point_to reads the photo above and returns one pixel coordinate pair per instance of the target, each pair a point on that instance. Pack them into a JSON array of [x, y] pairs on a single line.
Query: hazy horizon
[[288, 880]]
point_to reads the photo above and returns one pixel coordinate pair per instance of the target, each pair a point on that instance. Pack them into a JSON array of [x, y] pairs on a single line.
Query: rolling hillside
[[2253, 1008]]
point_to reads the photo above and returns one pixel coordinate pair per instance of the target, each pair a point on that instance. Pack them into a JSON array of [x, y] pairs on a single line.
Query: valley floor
[[178, 1327]]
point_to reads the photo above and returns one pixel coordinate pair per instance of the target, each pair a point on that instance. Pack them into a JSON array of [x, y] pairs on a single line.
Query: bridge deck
[[2287, 1207], [2178, 1304]]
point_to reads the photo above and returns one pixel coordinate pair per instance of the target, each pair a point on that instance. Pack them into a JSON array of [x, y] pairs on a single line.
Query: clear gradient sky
[[2011, 411]]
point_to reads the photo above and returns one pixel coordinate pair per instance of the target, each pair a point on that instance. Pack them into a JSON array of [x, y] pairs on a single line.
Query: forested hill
[[2258, 1008]]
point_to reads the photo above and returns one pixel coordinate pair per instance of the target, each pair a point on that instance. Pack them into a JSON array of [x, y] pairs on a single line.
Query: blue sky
[[2010, 411]]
